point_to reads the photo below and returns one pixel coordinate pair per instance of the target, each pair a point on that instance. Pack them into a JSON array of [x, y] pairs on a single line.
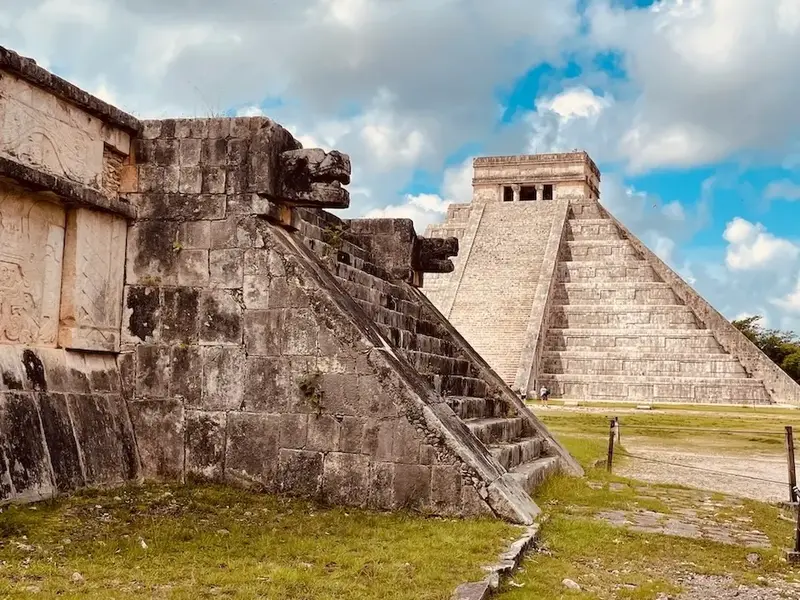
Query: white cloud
[[751, 246], [791, 301], [423, 209], [782, 189], [577, 102]]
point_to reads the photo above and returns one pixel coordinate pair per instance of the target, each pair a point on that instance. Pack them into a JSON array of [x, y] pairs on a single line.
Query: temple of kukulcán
[[552, 290]]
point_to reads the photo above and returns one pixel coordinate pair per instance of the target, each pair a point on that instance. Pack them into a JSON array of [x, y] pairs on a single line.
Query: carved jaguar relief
[[31, 250]]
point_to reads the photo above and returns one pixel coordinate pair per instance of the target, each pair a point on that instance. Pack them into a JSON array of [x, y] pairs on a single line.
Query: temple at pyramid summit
[[552, 290]]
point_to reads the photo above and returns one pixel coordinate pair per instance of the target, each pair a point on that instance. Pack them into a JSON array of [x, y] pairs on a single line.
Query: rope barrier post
[[793, 556], [790, 464], [611, 433]]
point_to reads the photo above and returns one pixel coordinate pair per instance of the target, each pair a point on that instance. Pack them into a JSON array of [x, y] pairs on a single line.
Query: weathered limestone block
[[91, 290], [159, 426], [24, 446], [106, 438], [205, 445], [31, 251]]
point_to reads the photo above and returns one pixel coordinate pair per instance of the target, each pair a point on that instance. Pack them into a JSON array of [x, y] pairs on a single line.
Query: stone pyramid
[[552, 290]]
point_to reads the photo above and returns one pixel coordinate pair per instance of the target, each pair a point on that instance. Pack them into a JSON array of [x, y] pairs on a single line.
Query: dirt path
[[738, 474]]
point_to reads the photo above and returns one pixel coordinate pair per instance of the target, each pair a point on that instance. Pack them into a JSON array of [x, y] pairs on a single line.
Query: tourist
[[544, 394]]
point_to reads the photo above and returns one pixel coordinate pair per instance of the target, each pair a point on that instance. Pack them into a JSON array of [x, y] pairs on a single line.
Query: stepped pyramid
[[552, 290]]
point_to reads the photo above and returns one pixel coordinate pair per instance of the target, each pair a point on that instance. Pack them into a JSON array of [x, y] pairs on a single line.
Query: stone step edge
[[599, 221], [627, 261], [643, 333], [661, 379], [688, 357], [543, 466], [618, 308], [597, 243], [591, 285], [497, 573]]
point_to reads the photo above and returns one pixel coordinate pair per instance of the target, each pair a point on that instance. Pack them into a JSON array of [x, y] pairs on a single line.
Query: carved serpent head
[[283, 171]]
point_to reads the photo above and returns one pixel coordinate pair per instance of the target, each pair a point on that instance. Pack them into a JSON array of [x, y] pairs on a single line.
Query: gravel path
[[704, 587], [735, 470]]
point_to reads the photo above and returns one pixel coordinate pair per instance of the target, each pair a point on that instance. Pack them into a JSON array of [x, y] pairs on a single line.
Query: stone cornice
[[580, 157], [27, 69], [69, 192]]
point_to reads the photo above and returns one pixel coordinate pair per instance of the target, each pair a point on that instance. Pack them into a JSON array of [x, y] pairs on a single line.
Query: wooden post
[[790, 464], [611, 433], [797, 533]]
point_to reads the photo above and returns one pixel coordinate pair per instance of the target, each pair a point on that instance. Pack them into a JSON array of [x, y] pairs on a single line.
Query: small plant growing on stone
[[177, 246], [309, 385], [333, 236]]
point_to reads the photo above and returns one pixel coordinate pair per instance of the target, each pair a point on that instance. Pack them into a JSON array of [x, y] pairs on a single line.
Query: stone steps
[[436, 363], [512, 454], [496, 430], [585, 210], [531, 475], [426, 345], [648, 340], [656, 388], [622, 292], [608, 271], [455, 385], [643, 364], [470, 407], [570, 316], [598, 250], [591, 229]]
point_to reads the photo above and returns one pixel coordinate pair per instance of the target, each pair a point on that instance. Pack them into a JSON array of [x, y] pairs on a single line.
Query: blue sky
[[687, 106]]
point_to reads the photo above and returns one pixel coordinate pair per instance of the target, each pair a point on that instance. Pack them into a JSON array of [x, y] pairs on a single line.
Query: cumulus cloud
[[705, 79], [751, 246]]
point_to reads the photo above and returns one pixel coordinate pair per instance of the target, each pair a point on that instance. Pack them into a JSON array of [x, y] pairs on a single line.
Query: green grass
[[701, 408], [740, 432], [206, 541], [611, 562]]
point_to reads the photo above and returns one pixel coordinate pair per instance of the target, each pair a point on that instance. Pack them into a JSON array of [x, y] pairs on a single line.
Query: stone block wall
[[242, 359]]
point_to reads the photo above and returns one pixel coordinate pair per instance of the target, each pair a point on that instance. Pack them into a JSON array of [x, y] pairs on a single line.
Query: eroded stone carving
[[283, 172], [31, 251], [316, 177], [39, 131], [94, 263], [433, 254]]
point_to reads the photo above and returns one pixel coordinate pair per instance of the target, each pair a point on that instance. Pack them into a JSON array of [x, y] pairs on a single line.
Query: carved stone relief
[[39, 130], [31, 252], [94, 266]]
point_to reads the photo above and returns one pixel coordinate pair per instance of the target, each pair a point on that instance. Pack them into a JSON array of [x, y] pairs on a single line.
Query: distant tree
[[782, 347]]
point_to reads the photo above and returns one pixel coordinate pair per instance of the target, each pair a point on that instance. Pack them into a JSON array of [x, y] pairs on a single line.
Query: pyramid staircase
[[619, 332], [419, 333]]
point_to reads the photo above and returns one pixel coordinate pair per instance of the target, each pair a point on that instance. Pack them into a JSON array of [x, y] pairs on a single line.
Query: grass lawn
[[194, 542], [739, 429], [614, 562]]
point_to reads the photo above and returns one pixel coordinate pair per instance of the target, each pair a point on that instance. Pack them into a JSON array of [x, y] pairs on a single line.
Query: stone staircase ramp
[[506, 255], [421, 339]]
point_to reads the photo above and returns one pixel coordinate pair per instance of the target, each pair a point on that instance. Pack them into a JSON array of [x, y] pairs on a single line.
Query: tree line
[[783, 347]]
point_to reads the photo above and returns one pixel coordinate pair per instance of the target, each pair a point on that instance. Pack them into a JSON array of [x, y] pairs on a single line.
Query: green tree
[[782, 347]]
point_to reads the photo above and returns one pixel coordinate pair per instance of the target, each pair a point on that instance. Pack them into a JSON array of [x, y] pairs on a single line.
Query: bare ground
[[759, 476]]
